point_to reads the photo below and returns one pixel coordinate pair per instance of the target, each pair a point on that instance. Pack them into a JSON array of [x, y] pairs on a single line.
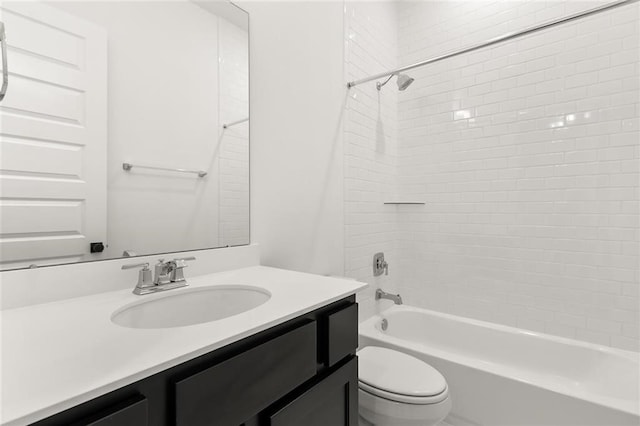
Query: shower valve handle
[[380, 265]]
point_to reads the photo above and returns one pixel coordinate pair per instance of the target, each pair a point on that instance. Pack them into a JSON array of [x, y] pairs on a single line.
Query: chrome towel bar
[[128, 166]]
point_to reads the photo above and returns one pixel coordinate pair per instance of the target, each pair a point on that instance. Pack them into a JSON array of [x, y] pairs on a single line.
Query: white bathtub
[[501, 375]]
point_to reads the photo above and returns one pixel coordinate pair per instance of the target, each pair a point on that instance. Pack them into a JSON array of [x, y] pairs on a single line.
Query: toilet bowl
[[396, 389]]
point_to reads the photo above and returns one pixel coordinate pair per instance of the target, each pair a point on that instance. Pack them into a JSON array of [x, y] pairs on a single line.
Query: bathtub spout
[[396, 298]]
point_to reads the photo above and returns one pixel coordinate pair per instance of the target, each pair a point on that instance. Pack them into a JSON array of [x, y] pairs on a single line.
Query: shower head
[[403, 81]]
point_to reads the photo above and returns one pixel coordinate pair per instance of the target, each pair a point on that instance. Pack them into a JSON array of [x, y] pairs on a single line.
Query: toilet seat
[[405, 399], [383, 412], [399, 377]]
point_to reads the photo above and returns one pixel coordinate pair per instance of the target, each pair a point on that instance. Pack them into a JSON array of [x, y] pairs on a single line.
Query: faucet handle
[[181, 262], [177, 275], [144, 276], [144, 266]]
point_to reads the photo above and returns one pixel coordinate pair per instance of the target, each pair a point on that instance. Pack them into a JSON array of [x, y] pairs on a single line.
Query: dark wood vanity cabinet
[[326, 402], [303, 372]]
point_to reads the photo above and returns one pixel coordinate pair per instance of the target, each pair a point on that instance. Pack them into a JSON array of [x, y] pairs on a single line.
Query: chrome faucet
[[396, 298], [176, 269], [161, 274], [168, 275]]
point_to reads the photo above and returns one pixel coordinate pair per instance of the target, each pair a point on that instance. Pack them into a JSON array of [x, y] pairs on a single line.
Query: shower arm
[[496, 40], [379, 85]]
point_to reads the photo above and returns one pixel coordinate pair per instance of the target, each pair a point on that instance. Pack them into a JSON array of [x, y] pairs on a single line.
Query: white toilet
[[396, 389]]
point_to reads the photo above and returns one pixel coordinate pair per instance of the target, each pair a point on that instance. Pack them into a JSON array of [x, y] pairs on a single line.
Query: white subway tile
[[527, 155]]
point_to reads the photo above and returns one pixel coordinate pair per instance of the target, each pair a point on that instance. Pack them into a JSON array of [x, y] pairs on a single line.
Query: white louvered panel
[[23, 250], [40, 187], [28, 218], [44, 38], [24, 64], [12, 124], [53, 136], [26, 156], [45, 99]]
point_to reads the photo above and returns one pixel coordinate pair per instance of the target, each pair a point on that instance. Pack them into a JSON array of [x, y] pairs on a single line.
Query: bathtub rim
[[369, 330]]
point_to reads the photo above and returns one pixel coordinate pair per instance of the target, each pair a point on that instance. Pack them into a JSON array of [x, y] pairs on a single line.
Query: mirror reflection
[[124, 130]]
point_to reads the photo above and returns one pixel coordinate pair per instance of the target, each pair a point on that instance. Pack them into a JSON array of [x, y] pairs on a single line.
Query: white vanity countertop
[[57, 355]]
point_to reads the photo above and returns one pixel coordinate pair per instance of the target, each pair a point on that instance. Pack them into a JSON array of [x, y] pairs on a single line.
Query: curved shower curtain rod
[[497, 40]]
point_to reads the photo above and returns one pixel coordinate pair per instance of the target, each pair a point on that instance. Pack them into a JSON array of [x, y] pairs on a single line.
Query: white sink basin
[[190, 306]]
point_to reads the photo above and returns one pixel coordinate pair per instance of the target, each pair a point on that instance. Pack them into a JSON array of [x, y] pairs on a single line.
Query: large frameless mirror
[[124, 130]]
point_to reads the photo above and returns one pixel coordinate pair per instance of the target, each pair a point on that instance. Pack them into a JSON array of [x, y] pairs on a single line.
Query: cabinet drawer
[[236, 389], [342, 334], [332, 401], [131, 412]]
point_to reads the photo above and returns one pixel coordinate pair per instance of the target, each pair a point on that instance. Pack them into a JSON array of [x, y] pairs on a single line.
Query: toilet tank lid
[[398, 373]]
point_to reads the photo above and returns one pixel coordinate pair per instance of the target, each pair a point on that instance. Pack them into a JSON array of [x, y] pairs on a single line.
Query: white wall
[[527, 157], [297, 103]]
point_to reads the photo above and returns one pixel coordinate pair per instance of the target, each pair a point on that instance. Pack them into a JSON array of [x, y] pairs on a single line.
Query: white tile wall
[[370, 147], [234, 141], [527, 156]]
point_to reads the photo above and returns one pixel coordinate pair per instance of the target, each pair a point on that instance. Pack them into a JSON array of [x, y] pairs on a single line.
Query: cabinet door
[[333, 401], [235, 390], [132, 412], [342, 334]]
